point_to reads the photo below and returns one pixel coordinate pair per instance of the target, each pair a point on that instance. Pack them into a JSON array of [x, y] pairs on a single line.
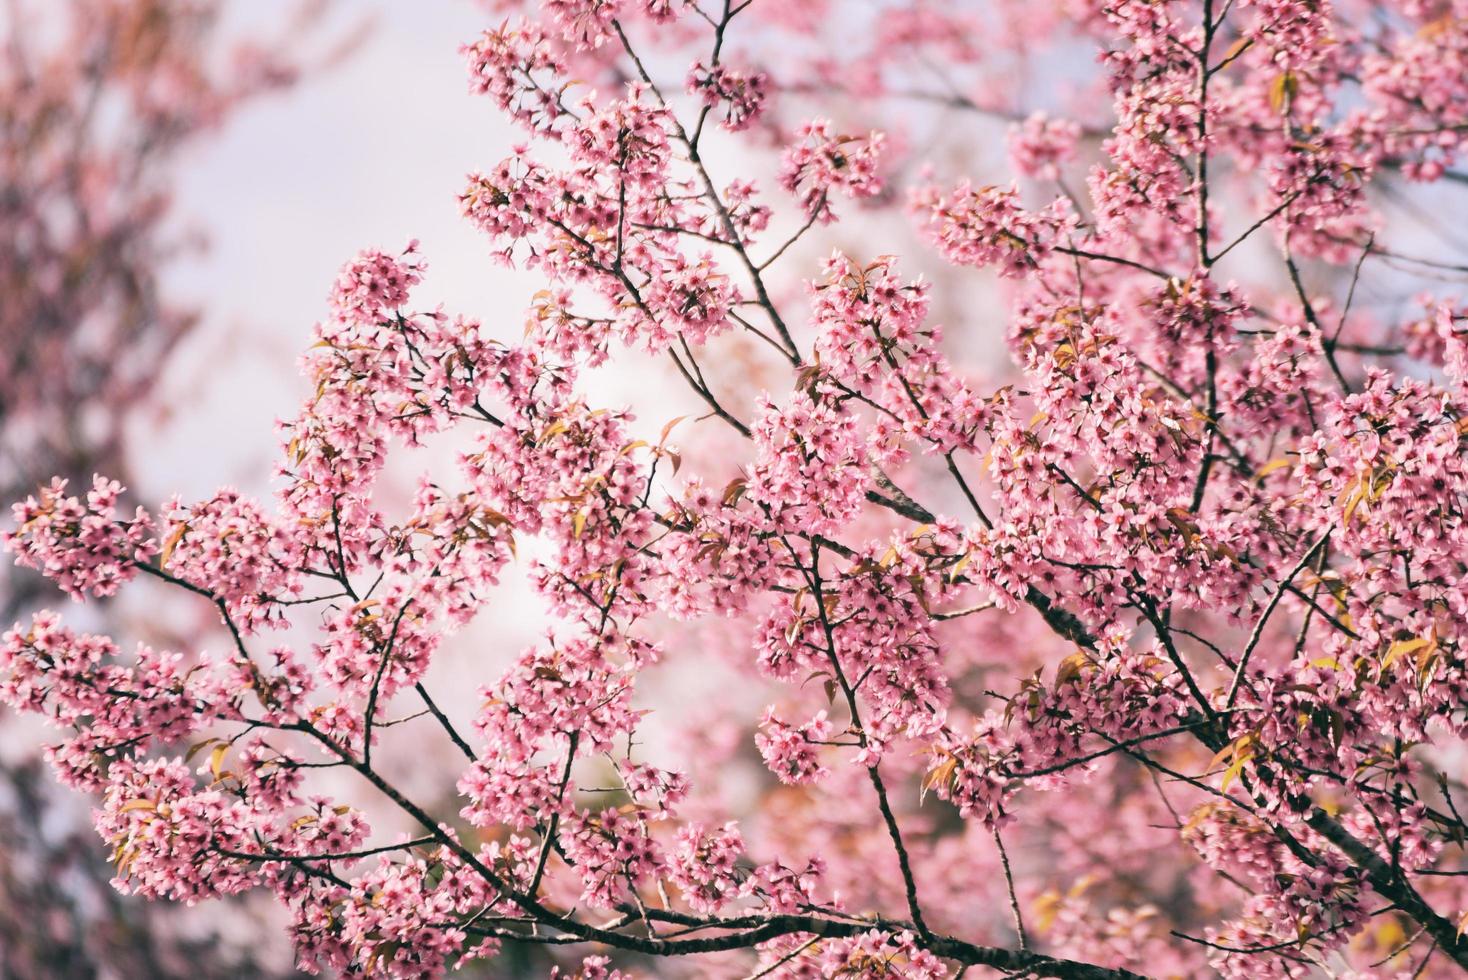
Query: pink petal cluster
[[81, 544]]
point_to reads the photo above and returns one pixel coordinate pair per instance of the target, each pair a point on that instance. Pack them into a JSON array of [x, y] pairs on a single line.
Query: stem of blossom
[[234, 632], [1142, 757], [917, 405], [341, 557], [1116, 746], [1148, 609], [336, 856], [712, 194], [371, 713], [443, 721], [1116, 259], [896, 498], [873, 771], [1204, 74], [766, 971], [1273, 213], [908, 881], [1017, 962], [555, 820], [968, 494], [1351, 292], [809, 223], [694, 382], [719, 28], [1291, 944], [1019, 921], [1309, 310], [1258, 631], [708, 396], [792, 358], [960, 613]]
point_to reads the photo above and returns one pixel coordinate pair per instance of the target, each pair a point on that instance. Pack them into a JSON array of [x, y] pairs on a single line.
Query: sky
[[368, 153]]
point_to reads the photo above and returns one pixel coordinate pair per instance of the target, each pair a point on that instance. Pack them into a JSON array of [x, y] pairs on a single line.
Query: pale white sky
[[370, 153]]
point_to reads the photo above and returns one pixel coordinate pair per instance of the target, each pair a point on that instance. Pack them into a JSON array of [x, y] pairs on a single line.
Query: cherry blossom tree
[[1142, 656]]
